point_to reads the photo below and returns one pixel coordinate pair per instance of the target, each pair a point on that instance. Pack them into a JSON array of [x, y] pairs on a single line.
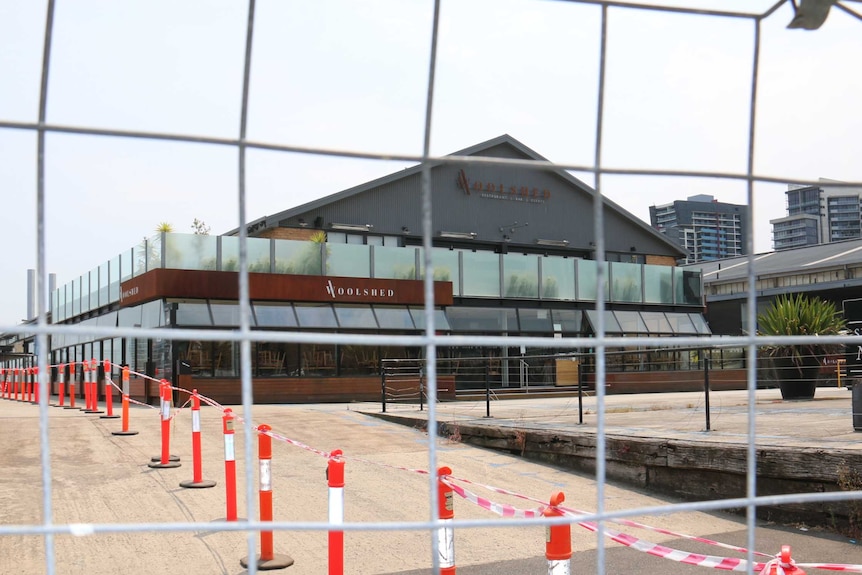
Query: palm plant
[[800, 315]]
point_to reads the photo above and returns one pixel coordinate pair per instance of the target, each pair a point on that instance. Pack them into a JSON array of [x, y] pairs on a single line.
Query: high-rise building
[[818, 215], [708, 229]]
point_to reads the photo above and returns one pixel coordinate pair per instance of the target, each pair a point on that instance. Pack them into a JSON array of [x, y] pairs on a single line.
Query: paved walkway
[[825, 421], [99, 478]]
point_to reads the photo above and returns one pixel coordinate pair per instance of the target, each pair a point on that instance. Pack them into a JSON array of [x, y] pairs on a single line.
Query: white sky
[[343, 74]]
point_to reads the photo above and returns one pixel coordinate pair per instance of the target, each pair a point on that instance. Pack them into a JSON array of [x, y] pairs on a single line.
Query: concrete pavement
[[100, 478]]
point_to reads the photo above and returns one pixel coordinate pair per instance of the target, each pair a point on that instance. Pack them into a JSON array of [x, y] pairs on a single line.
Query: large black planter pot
[[796, 383]]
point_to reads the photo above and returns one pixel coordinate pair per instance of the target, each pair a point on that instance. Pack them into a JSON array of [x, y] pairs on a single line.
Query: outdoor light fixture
[[459, 235], [405, 230], [351, 227], [558, 243], [302, 223]]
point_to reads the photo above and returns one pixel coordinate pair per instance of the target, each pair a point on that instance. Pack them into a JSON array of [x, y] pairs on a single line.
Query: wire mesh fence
[[416, 381]]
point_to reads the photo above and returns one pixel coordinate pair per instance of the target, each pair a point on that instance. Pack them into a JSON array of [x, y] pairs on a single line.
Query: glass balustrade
[[473, 274]]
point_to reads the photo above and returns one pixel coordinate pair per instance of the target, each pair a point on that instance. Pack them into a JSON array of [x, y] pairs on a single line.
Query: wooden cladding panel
[[200, 284]]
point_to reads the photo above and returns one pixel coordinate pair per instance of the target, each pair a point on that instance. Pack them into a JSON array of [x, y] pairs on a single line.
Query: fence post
[[487, 390], [421, 398], [383, 385], [335, 480], [125, 430], [706, 388], [166, 460], [229, 464], [558, 540], [267, 559], [445, 534], [581, 376], [197, 471]]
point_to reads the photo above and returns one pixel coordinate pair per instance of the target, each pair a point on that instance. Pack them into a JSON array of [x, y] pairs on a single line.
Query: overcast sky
[[343, 74]]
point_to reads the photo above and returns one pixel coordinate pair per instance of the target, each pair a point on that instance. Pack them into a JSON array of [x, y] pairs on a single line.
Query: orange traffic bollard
[[61, 385], [267, 559], [28, 378], [558, 539], [445, 534], [72, 376], [782, 564], [197, 472], [36, 384], [125, 429], [92, 386], [166, 460], [229, 464], [335, 479], [109, 391]]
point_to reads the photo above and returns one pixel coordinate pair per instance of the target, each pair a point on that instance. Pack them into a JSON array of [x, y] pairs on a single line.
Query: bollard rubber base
[[203, 483], [127, 433], [171, 457], [277, 562], [168, 465], [109, 417], [70, 407], [92, 411]]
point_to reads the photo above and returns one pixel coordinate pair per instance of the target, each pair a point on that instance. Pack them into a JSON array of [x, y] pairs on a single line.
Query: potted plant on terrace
[[798, 365]]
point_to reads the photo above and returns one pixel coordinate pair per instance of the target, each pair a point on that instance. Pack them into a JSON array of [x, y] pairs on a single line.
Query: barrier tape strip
[[506, 510], [501, 509]]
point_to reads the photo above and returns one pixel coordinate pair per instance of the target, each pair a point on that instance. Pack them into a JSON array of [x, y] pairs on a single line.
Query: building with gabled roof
[[513, 251]]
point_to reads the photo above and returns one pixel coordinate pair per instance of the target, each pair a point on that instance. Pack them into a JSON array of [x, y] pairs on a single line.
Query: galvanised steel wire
[[430, 341]]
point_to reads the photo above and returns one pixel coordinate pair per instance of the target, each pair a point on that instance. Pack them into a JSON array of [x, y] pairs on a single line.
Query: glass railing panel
[[558, 278], [658, 284], [445, 264], [481, 274], [687, 287], [76, 296], [626, 285], [190, 251], [85, 293], [257, 251], [93, 285], [348, 260], [127, 262], [114, 280], [296, 257], [521, 276], [587, 272], [66, 297], [395, 263], [102, 293], [154, 252]]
